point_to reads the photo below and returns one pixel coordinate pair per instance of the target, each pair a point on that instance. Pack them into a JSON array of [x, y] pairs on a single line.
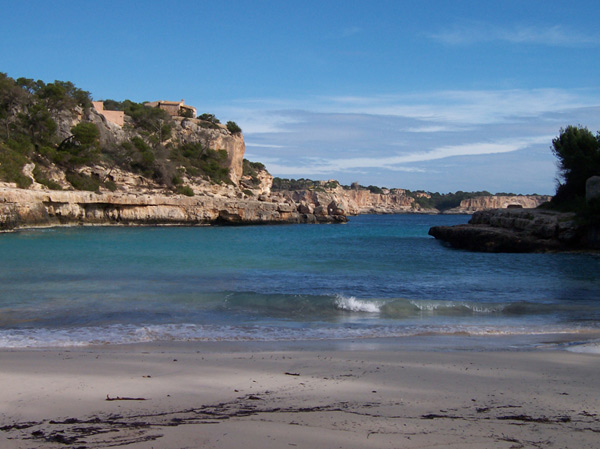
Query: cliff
[[355, 201], [480, 203], [189, 130], [21, 208], [183, 131], [138, 166], [149, 164], [516, 230]]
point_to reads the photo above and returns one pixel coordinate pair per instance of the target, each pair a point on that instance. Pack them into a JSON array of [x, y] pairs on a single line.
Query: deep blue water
[[375, 276]]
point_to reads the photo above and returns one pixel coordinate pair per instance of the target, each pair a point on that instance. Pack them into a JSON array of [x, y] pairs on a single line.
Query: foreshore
[[350, 394]]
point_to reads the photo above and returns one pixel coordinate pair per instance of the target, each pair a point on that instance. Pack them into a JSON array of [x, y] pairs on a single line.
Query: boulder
[[592, 188]]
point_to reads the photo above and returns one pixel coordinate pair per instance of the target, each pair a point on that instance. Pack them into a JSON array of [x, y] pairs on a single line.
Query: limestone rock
[[480, 203], [354, 202], [514, 230], [21, 208], [189, 130]]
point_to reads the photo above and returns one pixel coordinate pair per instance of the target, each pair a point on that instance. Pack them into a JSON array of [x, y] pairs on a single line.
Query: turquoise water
[[377, 276]]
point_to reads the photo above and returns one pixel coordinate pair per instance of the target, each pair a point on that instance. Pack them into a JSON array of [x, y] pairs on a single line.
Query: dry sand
[[293, 396]]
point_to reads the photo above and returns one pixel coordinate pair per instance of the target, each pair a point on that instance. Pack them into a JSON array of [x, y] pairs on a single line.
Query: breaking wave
[[350, 303]]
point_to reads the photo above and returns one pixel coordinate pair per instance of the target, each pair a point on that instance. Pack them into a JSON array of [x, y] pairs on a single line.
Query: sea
[[376, 277]]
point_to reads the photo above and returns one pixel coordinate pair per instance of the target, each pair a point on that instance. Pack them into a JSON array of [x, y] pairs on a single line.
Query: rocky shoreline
[[20, 208], [520, 230]]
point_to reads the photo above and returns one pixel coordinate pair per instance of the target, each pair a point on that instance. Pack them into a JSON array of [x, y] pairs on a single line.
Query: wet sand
[[238, 395]]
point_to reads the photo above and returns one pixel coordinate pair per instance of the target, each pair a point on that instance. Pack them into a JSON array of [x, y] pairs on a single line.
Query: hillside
[[65, 159], [138, 164]]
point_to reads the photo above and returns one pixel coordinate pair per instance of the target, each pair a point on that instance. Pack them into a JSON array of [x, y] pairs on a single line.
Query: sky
[[425, 95]]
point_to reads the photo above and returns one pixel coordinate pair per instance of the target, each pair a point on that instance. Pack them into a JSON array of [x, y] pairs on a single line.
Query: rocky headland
[[480, 203], [515, 229], [65, 160], [520, 230]]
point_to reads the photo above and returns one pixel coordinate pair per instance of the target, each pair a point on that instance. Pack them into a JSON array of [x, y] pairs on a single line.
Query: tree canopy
[[578, 153]]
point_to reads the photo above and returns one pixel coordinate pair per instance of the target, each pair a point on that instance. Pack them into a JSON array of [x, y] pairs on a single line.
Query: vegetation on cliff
[[52, 126], [251, 170], [282, 184], [427, 200], [578, 153], [443, 201]]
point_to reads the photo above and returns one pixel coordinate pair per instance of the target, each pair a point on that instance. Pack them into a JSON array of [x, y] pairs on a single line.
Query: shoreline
[[425, 340], [34, 227], [305, 394]]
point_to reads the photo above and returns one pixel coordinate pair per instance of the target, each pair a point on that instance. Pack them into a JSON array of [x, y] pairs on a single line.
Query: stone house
[[173, 108], [116, 117]]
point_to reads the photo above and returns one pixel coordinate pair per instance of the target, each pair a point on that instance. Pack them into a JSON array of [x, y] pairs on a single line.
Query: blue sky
[[433, 95]]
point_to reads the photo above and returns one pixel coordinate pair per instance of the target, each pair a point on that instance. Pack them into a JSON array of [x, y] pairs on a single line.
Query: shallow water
[[377, 276]]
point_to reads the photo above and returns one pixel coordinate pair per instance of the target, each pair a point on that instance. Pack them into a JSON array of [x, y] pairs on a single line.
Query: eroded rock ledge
[[21, 208], [519, 230]]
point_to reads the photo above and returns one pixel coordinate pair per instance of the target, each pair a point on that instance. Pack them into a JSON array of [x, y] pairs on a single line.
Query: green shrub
[[375, 189], [86, 134], [11, 167], [233, 128], [110, 185], [199, 161], [83, 182], [42, 179], [208, 125], [252, 169], [139, 143], [209, 118], [186, 113], [185, 190]]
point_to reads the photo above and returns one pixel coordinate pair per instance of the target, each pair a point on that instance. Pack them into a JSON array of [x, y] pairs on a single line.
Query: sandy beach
[[232, 395]]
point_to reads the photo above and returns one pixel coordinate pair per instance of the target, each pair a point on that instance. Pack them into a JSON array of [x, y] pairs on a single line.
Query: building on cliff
[[173, 108], [116, 117]]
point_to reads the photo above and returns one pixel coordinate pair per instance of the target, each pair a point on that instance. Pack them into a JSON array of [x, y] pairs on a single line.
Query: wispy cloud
[[467, 107], [479, 32], [426, 112], [263, 145], [398, 162], [444, 140], [350, 31]]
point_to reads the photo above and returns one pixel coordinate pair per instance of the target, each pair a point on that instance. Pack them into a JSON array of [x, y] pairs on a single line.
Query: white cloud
[[373, 139], [396, 162], [433, 129], [467, 107], [263, 145], [438, 111], [479, 32]]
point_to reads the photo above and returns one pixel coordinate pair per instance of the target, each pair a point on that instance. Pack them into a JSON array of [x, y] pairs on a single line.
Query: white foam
[[127, 334], [432, 306], [588, 348], [352, 304]]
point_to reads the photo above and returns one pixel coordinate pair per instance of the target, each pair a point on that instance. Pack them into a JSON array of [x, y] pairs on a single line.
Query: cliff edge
[[480, 203], [518, 230], [20, 208]]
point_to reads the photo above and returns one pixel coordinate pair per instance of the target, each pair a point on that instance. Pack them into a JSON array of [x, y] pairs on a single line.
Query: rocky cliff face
[[480, 203], [138, 200], [355, 202], [189, 130], [39, 208], [515, 230], [184, 130]]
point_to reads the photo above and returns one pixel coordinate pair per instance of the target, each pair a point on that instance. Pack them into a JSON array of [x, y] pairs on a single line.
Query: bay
[[376, 276]]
